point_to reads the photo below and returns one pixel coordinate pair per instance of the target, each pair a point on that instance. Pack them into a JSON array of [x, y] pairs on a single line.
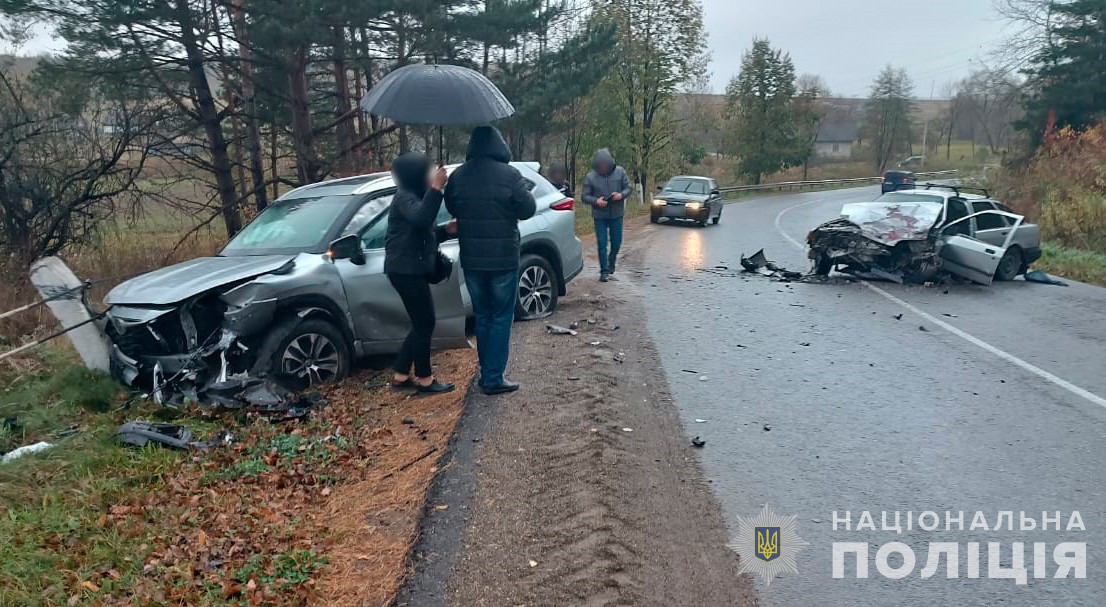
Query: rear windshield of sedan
[[300, 223], [909, 197], [687, 186]]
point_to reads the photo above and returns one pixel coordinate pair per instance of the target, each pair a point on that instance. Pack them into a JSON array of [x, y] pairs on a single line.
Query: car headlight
[[694, 206], [658, 202]]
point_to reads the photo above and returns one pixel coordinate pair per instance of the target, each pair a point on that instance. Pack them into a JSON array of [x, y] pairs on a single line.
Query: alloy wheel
[[535, 291], [312, 356]]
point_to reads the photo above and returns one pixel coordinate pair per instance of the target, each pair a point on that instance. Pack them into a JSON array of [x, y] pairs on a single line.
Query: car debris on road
[[174, 436], [559, 330]]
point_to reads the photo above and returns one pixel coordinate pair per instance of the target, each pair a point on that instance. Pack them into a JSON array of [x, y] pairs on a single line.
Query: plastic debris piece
[[25, 450], [559, 330]]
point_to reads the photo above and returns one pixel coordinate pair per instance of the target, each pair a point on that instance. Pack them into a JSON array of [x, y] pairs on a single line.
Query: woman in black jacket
[[411, 249]]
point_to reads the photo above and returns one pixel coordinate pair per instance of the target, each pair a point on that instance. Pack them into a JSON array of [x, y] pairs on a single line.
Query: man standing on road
[[488, 197], [606, 189]]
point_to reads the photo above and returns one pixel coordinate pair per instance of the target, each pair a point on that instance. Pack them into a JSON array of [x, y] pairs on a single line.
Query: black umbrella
[[438, 95]]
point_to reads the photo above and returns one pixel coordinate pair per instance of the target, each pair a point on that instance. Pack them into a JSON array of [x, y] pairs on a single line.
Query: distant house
[[836, 138]]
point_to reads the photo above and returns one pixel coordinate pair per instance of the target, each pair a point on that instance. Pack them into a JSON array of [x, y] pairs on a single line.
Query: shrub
[[1063, 187]]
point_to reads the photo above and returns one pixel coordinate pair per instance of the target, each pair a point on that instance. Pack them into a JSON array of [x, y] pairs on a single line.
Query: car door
[[990, 227], [379, 318], [970, 257]]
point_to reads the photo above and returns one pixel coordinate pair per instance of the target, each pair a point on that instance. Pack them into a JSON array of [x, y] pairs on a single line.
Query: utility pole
[[925, 136]]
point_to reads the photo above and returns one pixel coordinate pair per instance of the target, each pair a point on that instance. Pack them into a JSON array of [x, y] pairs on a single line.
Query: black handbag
[[443, 269]]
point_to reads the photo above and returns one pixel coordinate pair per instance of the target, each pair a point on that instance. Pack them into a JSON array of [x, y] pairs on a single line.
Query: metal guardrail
[[799, 185]]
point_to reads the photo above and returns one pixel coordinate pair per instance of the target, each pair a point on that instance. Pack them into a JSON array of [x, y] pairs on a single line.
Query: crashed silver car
[[913, 236], [300, 292]]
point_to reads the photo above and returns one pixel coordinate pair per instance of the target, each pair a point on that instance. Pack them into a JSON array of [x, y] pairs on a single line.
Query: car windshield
[[687, 186], [300, 223], [910, 197]]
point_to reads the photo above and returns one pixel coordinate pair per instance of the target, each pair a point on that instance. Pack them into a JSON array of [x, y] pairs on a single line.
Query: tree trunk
[[210, 120], [345, 128], [273, 167], [249, 101], [303, 139]]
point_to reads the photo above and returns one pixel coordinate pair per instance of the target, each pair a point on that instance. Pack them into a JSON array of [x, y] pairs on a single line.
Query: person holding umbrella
[[488, 197], [410, 252]]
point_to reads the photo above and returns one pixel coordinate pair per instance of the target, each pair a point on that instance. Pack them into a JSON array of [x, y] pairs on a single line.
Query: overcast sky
[[847, 42]]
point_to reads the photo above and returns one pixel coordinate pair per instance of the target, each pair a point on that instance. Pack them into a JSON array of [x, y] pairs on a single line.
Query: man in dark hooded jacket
[[488, 197], [606, 189]]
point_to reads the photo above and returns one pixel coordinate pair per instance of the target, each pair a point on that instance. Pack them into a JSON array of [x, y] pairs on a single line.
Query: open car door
[[969, 257]]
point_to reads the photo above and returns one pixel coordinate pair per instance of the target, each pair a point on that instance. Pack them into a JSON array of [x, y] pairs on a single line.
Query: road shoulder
[[581, 489]]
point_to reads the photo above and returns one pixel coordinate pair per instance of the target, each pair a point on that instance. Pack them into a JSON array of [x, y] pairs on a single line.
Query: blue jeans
[[603, 227], [493, 303]]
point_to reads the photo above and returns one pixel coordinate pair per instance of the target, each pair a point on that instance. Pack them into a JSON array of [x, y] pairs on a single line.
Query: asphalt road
[[820, 398]]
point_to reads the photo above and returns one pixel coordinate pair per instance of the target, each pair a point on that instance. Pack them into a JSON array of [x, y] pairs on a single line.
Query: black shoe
[[503, 388], [613, 266], [435, 387], [604, 277]]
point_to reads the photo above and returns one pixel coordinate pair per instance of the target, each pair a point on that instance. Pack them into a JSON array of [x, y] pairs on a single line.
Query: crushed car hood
[[890, 223], [179, 282]]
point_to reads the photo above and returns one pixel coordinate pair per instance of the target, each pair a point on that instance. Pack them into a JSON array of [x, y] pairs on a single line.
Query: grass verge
[[1076, 264], [322, 511]]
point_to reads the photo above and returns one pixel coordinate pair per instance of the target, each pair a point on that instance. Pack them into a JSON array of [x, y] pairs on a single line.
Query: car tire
[[1010, 265], [654, 219], [717, 218], [537, 288], [312, 350]]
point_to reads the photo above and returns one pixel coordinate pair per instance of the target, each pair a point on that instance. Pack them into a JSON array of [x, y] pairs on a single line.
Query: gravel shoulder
[[581, 489]]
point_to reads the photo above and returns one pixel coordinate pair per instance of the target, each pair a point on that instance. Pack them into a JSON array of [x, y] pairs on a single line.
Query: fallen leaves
[[320, 511]]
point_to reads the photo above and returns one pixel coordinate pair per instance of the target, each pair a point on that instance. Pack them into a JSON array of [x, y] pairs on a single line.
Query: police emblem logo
[[767, 544]]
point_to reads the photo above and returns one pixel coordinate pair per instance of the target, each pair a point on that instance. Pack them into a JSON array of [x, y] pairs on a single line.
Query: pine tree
[[769, 126], [1068, 73]]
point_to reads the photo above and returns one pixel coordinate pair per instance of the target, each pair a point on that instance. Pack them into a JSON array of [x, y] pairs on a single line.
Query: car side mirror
[[715, 192], [660, 188], [347, 247]]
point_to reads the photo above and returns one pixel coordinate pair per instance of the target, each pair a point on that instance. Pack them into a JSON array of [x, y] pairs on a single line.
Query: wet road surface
[[820, 398]]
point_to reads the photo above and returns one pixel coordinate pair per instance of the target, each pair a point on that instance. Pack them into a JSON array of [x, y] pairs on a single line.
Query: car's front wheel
[[313, 351], [537, 288], [1010, 265]]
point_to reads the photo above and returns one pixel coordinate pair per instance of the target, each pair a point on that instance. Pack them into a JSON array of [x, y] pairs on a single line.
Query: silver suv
[[277, 300]]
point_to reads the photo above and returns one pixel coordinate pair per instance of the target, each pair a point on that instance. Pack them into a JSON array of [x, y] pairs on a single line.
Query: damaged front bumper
[[176, 353], [842, 244]]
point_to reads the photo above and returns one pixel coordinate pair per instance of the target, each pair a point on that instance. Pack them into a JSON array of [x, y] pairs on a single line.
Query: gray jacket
[[598, 185]]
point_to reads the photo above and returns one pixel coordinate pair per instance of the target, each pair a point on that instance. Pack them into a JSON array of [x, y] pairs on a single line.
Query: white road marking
[[1010, 358]]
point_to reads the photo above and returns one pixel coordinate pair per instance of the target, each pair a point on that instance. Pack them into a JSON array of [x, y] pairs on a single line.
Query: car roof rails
[[956, 188]]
